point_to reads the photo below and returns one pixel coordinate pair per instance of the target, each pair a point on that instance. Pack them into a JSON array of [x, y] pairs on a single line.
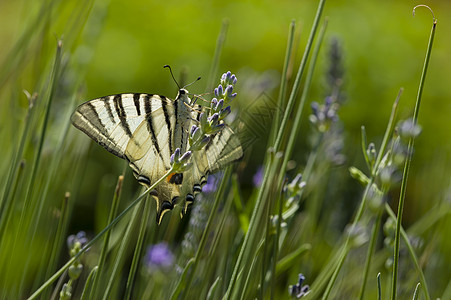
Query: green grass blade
[[88, 285], [97, 237], [379, 287], [205, 234], [369, 254], [284, 80], [138, 249], [259, 205], [407, 165], [217, 56], [412, 254], [106, 240]]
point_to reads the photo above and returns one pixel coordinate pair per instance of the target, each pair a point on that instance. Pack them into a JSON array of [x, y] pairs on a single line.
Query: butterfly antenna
[[198, 78], [170, 70]]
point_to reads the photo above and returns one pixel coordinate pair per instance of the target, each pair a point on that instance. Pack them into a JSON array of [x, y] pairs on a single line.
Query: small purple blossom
[[159, 256], [228, 78], [219, 91], [408, 129], [180, 163], [324, 115], [299, 290], [258, 177], [212, 183], [225, 112], [79, 238], [175, 156]]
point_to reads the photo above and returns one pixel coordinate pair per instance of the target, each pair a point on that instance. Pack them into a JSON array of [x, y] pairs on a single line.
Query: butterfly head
[[183, 95]]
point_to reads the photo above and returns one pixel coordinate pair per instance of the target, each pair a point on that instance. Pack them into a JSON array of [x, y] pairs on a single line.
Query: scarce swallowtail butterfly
[[145, 130]]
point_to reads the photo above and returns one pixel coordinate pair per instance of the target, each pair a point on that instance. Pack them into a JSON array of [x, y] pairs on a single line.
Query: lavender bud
[[175, 156], [315, 107], [214, 103], [229, 91], [194, 128], [219, 105], [233, 79], [219, 91], [204, 141], [225, 112], [185, 157], [214, 119], [217, 128]]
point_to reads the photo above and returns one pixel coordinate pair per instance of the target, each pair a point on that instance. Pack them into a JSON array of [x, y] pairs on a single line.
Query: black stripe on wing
[[150, 127], [118, 105], [167, 118], [136, 97]]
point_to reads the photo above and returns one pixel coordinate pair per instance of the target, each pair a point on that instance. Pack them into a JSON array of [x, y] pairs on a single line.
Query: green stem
[[106, 240], [6, 202], [284, 79], [89, 282], [359, 213], [407, 165], [59, 236], [272, 278], [379, 287], [369, 254], [413, 256], [215, 63], [138, 250], [97, 237], [258, 208], [203, 239]]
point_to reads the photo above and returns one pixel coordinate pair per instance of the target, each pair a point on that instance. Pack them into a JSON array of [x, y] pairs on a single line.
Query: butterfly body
[[145, 129]]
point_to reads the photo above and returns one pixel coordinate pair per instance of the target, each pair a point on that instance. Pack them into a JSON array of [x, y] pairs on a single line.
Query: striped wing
[[112, 120]]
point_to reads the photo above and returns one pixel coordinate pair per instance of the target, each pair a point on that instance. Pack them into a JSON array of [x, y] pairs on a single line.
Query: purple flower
[[212, 183], [79, 238], [159, 256], [299, 290], [258, 177]]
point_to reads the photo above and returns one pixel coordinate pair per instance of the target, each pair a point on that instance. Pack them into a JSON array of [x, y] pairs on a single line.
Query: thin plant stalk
[[106, 240], [298, 117], [379, 288], [218, 50], [369, 254], [272, 278], [408, 162], [138, 249], [412, 254], [203, 239], [416, 294], [257, 212], [15, 165], [31, 184], [284, 79], [384, 144], [119, 260], [59, 236], [267, 225], [89, 281], [97, 237]]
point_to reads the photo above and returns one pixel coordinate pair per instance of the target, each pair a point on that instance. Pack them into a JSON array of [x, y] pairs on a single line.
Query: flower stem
[[97, 237], [407, 165]]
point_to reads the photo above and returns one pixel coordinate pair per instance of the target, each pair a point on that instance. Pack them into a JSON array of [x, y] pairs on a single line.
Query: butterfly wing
[[111, 120]]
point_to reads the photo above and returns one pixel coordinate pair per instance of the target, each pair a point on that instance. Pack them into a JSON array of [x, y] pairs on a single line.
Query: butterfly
[[145, 130]]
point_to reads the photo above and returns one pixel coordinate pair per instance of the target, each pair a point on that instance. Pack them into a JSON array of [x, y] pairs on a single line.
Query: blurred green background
[[124, 44], [121, 46]]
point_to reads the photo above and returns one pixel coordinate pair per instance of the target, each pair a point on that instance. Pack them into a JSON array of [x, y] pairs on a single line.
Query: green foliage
[[241, 239]]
